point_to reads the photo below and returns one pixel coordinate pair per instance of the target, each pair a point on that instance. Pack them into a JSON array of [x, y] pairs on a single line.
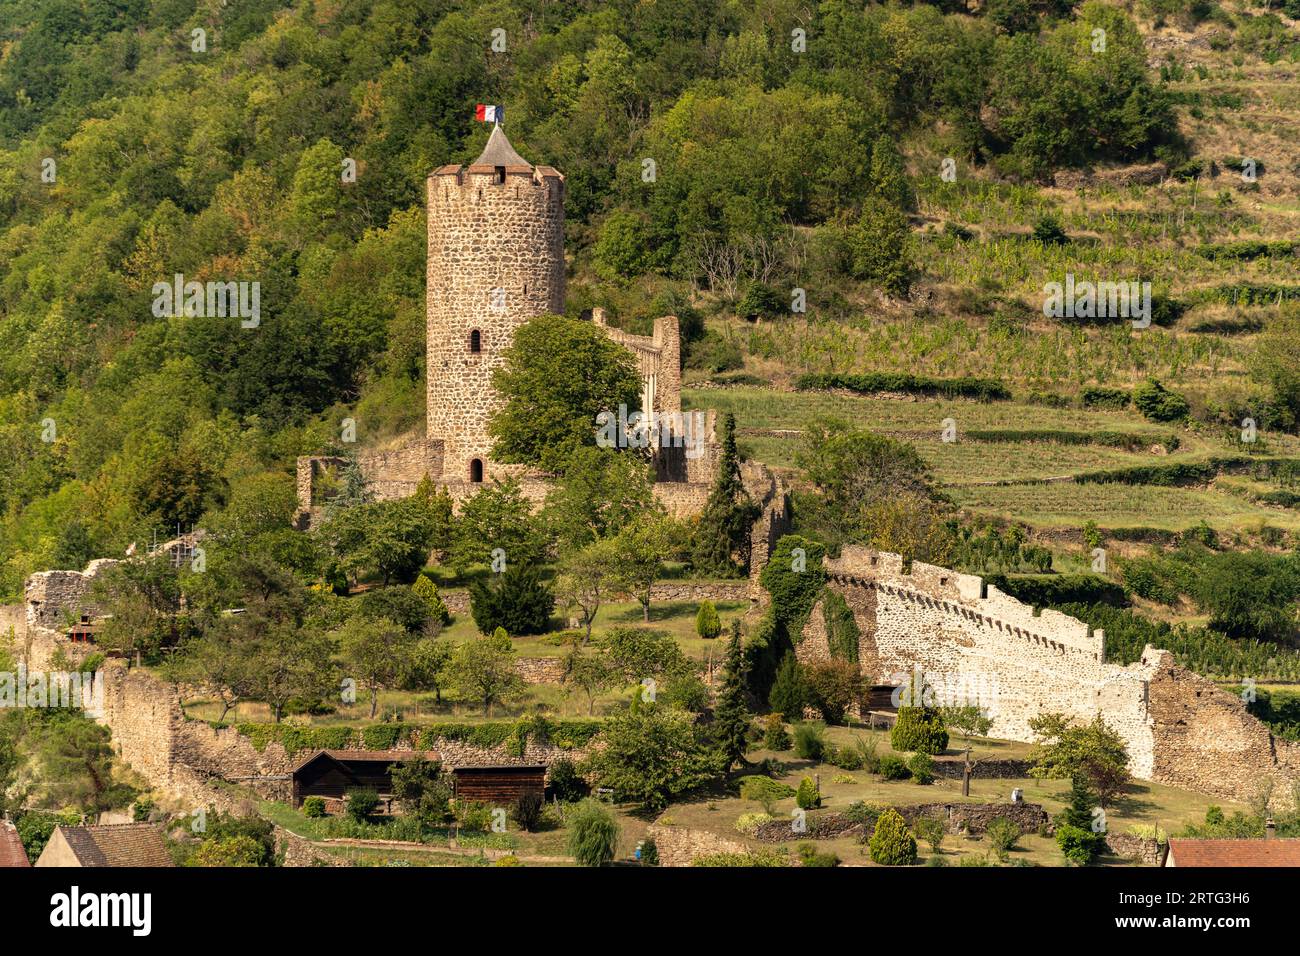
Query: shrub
[[764, 858], [707, 623], [528, 810], [649, 853], [515, 600], [892, 844], [1079, 846], [919, 729], [765, 791], [474, 816], [314, 807], [846, 758], [1159, 404], [809, 855], [807, 797], [921, 766], [810, 740], [864, 813], [141, 809], [428, 591], [892, 767], [593, 833], [760, 302], [774, 733], [362, 803], [750, 822], [511, 860], [566, 783], [1003, 834], [1048, 230], [932, 830]]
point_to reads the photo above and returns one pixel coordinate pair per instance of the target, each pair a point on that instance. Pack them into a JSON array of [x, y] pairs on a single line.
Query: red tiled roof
[[11, 847], [1276, 852]]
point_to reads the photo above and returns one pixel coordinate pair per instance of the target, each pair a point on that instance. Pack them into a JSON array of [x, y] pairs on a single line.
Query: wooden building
[[498, 785], [332, 773]]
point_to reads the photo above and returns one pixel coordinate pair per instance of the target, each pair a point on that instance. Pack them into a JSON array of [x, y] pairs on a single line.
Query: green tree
[[515, 600], [1076, 825], [496, 522], [378, 652], [879, 248], [707, 623], [651, 755], [558, 374], [638, 550], [1091, 751], [731, 717], [593, 833], [427, 591], [723, 532], [483, 669], [424, 791], [601, 491], [586, 579], [789, 692], [918, 727]]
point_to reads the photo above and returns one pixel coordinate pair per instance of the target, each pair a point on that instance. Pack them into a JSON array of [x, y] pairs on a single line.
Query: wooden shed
[[332, 773], [499, 785]]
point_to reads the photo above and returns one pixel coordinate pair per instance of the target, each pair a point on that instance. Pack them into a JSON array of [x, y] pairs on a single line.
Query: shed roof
[[1257, 852], [371, 756], [126, 844], [532, 767], [11, 847]]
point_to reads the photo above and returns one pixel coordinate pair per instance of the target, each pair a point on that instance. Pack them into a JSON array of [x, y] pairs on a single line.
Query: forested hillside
[[716, 153]]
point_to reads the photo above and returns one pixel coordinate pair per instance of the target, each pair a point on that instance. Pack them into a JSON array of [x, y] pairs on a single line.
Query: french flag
[[488, 114]]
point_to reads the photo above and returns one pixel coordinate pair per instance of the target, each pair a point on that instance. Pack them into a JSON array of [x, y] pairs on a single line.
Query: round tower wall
[[496, 260]]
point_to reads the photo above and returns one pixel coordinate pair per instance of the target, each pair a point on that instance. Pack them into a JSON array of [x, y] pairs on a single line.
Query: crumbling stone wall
[[1207, 741], [679, 846], [48, 595]]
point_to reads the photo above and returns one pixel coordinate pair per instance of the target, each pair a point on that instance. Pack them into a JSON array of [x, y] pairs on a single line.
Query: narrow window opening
[[475, 341], [499, 176], [476, 471]]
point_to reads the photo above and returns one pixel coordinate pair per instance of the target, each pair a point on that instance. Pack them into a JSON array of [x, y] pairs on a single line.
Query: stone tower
[[496, 260]]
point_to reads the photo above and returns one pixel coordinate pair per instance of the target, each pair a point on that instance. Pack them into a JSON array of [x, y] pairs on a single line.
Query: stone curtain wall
[[1179, 728], [994, 645], [184, 759], [485, 235], [658, 357]]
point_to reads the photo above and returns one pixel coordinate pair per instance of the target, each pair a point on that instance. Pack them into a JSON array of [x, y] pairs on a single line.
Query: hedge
[[983, 389], [514, 734], [1054, 590], [1130, 441]]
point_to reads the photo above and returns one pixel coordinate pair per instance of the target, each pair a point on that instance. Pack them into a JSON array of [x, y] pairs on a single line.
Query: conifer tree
[[730, 715], [724, 526]]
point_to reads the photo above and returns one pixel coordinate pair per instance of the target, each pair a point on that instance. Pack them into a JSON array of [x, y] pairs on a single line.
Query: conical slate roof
[[499, 152]]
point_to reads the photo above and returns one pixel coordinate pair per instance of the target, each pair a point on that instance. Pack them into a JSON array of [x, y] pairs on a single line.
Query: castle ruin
[[495, 261]]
